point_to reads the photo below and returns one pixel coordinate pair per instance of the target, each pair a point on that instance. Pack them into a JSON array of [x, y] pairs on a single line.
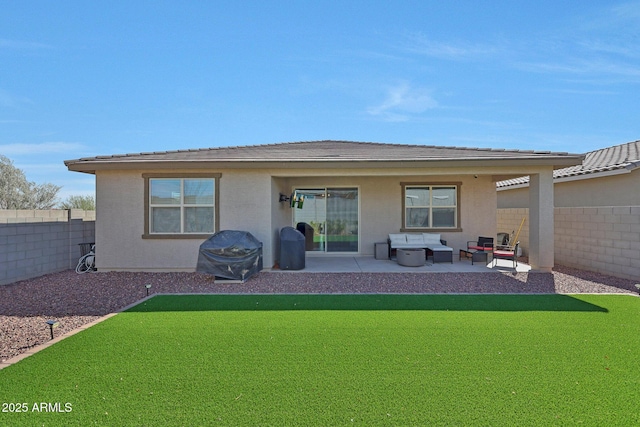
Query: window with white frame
[[430, 206], [178, 205]]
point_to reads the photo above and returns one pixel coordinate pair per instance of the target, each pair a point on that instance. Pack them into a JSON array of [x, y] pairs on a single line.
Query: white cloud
[[602, 46], [422, 45], [611, 48], [402, 101], [629, 11], [41, 148], [605, 70]]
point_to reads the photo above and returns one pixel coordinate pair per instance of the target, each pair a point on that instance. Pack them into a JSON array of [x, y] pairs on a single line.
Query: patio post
[[541, 228]]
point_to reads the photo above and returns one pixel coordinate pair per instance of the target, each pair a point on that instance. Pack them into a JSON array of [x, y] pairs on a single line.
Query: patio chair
[[478, 250], [510, 252], [503, 240], [483, 244]]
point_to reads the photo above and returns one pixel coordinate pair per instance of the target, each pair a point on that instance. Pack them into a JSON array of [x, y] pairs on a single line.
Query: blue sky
[[80, 79]]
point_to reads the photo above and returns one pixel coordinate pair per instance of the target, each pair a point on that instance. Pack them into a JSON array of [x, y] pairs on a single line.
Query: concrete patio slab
[[368, 264]]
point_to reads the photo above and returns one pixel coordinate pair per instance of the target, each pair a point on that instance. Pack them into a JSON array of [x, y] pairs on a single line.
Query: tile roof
[[616, 158], [323, 151]]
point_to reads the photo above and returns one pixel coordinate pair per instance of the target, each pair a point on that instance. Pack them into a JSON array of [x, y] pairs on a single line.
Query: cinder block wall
[[601, 239], [509, 221], [34, 242]]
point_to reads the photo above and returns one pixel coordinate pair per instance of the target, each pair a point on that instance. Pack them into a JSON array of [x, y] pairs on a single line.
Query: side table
[[476, 256], [411, 257]]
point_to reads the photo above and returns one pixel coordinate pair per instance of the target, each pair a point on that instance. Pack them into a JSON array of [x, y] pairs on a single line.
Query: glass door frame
[[326, 189]]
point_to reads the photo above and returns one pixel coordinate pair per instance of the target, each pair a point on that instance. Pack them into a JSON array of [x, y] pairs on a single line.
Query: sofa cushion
[[398, 239], [415, 239], [431, 239], [503, 253], [480, 248]]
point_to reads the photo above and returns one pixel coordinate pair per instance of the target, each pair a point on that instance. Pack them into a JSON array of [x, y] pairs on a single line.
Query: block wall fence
[[601, 239], [38, 242]]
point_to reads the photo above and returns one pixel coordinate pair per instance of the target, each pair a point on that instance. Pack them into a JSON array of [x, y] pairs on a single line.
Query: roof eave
[[92, 165]]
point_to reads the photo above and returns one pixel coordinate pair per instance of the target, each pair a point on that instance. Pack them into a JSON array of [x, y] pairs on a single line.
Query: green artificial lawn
[[341, 360]]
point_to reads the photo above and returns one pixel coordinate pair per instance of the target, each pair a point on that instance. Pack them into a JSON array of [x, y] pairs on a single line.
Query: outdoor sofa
[[429, 241]]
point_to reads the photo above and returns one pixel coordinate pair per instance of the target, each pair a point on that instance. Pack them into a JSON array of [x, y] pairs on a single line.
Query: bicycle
[[87, 262]]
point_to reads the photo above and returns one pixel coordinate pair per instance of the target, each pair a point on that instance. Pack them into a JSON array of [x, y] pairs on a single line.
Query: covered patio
[[368, 264]]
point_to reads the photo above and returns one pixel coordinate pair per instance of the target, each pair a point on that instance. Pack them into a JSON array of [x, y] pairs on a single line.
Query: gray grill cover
[[230, 254]]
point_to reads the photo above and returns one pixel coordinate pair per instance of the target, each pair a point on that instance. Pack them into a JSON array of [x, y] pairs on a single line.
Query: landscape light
[[52, 324], [148, 287]]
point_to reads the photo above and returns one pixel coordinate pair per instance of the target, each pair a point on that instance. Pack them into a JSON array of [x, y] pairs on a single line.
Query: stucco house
[[597, 210], [155, 209]]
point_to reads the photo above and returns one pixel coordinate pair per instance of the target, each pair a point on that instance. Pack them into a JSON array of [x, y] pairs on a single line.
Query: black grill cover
[[292, 254], [230, 254]]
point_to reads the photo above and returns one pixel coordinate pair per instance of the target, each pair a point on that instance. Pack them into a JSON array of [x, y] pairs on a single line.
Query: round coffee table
[[411, 257]]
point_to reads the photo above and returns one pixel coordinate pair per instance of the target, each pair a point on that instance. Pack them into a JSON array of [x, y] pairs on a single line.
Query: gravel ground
[[75, 300]]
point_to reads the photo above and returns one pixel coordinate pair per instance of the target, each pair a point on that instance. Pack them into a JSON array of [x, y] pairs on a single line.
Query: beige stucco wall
[[478, 211], [280, 215], [120, 226], [246, 204], [618, 190], [613, 190], [249, 201]]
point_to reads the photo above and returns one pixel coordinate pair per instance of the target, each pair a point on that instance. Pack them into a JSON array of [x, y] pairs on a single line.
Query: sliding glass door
[[342, 220], [314, 214], [333, 215]]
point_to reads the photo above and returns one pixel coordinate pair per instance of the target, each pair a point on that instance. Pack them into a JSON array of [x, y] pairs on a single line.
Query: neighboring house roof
[[320, 152], [606, 161]]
